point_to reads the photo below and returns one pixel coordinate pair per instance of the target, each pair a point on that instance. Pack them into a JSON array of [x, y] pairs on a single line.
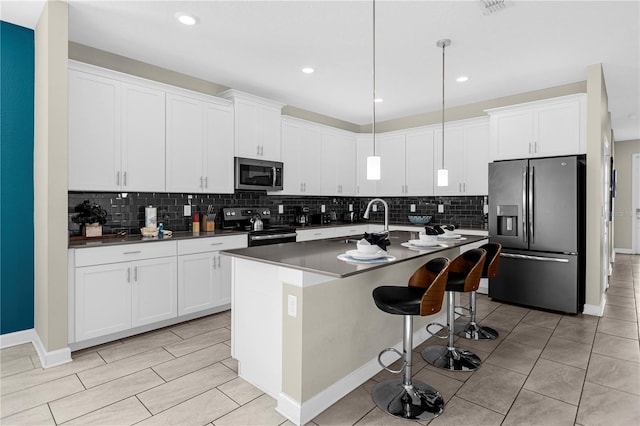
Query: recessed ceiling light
[[462, 79], [186, 19], [307, 70], [378, 100]]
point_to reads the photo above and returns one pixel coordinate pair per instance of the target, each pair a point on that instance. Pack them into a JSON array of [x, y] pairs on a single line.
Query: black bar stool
[[473, 330], [423, 296], [465, 272]]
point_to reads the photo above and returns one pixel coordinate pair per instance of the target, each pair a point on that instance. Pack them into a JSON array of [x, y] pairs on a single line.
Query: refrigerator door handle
[[530, 204], [539, 258], [524, 204]]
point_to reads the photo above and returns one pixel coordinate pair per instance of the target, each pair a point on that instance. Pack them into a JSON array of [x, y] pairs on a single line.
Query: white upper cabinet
[[338, 163], [466, 157], [301, 150], [116, 132], [257, 126], [364, 149], [391, 149], [419, 164], [199, 146], [544, 128]]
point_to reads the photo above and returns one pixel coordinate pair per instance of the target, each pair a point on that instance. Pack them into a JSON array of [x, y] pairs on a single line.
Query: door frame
[[635, 202]]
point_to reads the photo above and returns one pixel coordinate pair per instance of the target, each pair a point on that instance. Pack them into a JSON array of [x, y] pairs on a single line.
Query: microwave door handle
[[524, 204], [273, 174]]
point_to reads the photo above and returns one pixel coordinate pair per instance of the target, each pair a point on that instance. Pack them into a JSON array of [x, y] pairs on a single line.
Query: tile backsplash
[[126, 211]]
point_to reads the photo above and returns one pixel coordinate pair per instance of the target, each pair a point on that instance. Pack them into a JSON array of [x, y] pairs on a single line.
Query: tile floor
[[544, 369]]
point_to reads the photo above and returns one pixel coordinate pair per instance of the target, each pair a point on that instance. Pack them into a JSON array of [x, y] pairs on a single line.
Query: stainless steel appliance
[[261, 175], [537, 213], [245, 218], [302, 216]]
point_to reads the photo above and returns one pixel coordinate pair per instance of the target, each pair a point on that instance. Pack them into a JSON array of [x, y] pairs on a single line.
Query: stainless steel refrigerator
[[537, 213]]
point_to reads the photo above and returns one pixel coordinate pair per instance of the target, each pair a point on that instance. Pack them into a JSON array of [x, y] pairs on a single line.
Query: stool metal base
[[451, 359], [417, 401], [473, 331]]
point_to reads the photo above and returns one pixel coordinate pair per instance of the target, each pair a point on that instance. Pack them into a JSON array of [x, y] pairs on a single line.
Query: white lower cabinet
[[118, 296], [204, 275]]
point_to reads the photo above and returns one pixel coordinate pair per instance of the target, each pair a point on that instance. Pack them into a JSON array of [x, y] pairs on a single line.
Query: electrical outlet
[[280, 209], [322, 209], [292, 305], [186, 210], [412, 208], [350, 207], [440, 208], [374, 207]]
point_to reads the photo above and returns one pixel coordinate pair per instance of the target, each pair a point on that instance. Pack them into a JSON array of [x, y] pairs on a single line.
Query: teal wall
[[16, 177]]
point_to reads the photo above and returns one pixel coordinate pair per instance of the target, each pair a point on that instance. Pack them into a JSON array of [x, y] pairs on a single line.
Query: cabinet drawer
[[202, 245], [124, 253]]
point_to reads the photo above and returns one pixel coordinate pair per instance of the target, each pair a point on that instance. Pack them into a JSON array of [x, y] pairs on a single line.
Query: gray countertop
[[322, 256]]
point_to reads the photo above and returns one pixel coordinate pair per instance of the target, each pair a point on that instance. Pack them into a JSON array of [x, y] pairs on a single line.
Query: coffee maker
[[302, 216]]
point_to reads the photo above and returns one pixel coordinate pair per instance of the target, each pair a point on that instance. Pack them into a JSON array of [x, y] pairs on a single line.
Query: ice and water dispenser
[[507, 217]]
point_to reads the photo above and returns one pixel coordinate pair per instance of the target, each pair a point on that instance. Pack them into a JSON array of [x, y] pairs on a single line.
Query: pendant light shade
[[443, 174], [373, 161]]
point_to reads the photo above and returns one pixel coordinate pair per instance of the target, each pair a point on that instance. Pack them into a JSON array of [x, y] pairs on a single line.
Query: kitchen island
[[305, 329]]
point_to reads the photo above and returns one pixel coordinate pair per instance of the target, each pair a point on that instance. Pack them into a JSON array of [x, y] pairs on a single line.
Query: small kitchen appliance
[[302, 215]]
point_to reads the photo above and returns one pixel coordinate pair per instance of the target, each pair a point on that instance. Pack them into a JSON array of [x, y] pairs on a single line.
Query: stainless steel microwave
[[260, 175]]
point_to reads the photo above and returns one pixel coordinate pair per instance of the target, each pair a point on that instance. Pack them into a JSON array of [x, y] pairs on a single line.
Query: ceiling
[[261, 46]]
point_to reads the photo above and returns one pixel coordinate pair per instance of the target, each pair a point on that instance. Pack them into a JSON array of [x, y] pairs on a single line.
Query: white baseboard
[[595, 310], [47, 359], [623, 250], [302, 413]]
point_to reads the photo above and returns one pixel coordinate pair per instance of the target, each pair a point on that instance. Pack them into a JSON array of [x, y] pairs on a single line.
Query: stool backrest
[[470, 263], [432, 276], [490, 269]]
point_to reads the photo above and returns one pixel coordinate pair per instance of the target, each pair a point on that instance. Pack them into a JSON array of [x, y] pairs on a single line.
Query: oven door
[[267, 239], [258, 175]]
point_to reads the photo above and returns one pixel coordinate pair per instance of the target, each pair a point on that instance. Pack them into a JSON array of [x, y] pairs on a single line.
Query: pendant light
[[443, 174], [373, 161]]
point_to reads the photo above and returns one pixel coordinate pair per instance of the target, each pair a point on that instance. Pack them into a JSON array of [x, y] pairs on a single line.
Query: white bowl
[[149, 231], [428, 238], [367, 248]]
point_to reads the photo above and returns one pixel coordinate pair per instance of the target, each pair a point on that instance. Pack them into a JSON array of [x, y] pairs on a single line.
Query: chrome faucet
[[386, 212]]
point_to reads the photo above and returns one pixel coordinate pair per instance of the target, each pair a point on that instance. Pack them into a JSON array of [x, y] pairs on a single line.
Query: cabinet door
[[329, 160], [247, 129], [222, 288], [419, 163], [143, 148], [102, 300], [218, 149], [475, 159], [310, 159], [291, 156], [558, 130], [453, 151], [364, 149], [511, 134], [196, 278], [94, 133], [392, 158], [271, 133], [184, 144], [154, 290]]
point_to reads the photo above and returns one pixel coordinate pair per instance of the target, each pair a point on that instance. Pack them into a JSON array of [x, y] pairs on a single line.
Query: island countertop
[[321, 256]]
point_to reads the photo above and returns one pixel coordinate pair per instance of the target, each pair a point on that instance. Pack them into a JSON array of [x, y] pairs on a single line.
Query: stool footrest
[[462, 314], [386, 367], [473, 331], [442, 326], [415, 401], [453, 359]]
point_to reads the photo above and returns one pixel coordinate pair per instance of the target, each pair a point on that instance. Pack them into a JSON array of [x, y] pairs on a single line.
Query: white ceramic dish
[[355, 254], [422, 243], [450, 237], [346, 258]]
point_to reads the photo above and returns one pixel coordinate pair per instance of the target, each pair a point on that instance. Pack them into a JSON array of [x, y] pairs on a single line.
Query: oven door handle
[[271, 236]]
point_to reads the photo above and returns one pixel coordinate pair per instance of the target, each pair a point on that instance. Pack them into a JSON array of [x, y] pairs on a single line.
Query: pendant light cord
[[374, 79], [443, 47]]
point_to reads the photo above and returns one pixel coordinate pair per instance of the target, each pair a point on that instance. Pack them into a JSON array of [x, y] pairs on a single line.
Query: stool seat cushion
[[455, 281], [398, 300]]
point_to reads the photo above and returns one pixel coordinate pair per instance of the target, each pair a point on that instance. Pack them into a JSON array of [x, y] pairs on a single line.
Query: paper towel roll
[[151, 217]]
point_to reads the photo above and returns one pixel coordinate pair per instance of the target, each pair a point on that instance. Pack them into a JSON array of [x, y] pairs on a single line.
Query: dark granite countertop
[[321, 256]]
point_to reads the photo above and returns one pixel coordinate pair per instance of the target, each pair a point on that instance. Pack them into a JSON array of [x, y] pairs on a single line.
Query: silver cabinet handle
[[257, 149], [219, 262], [535, 146], [206, 181], [262, 150], [117, 178], [529, 147], [201, 179], [216, 244], [213, 264], [132, 252], [129, 274], [124, 179], [300, 186], [539, 258], [135, 274]]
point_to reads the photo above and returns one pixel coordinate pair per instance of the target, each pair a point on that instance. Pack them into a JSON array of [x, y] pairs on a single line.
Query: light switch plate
[[412, 208], [280, 209], [322, 208], [186, 210], [374, 207], [350, 207], [440, 208], [292, 305]]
